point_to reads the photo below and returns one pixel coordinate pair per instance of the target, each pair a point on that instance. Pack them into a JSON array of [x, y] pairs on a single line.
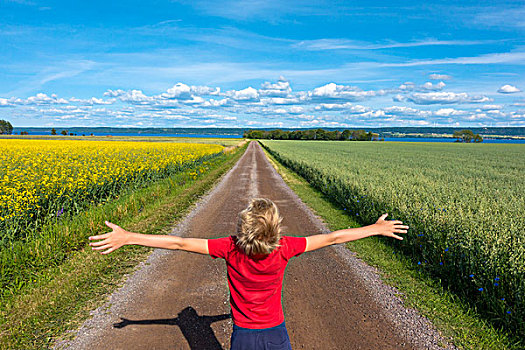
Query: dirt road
[[179, 300]]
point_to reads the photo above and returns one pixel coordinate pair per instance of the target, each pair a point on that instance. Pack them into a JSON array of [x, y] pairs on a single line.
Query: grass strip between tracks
[[60, 298], [453, 318]]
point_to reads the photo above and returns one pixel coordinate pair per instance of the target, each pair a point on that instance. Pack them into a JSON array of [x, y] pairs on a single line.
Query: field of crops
[[42, 179], [463, 202]]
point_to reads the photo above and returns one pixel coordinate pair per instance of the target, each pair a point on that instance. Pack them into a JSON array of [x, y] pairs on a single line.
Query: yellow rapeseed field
[[47, 177]]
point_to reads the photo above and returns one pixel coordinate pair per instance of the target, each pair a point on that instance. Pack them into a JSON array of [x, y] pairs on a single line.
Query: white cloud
[[296, 110], [92, 101], [433, 87], [65, 110], [216, 103], [156, 103], [278, 111], [439, 77], [373, 114], [275, 102], [346, 107], [268, 111], [447, 112], [502, 16], [416, 122], [281, 101], [265, 124], [4, 102], [495, 112], [195, 100], [508, 89], [492, 58], [332, 106], [114, 93], [428, 86], [441, 98], [136, 97], [205, 90], [178, 91], [399, 98], [280, 89], [517, 115], [340, 44], [342, 92], [408, 85], [41, 99], [476, 117], [490, 107], [402, 110], [248, 94]]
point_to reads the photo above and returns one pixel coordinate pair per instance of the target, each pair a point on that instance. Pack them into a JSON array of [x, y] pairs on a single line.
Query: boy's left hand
[[111, 241]]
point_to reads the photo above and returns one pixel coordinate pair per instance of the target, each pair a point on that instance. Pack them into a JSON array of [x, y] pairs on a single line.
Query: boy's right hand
[[390, 228], [110, 241]]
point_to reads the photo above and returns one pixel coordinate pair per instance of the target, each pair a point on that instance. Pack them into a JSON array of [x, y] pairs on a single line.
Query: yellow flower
[[45, 174]]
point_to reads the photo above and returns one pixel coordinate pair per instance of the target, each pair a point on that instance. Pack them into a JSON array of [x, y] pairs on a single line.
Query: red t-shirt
[[256, 281]]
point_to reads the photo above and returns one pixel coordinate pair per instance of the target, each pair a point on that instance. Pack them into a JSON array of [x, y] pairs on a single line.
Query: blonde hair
[[259, 227]]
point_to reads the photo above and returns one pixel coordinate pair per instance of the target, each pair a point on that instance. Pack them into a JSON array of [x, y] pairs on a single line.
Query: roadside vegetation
[[466, 234], [51, 279]]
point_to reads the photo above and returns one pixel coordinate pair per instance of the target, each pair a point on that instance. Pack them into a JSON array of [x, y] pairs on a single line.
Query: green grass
[[463, 203], [60, 297], [452, 317]]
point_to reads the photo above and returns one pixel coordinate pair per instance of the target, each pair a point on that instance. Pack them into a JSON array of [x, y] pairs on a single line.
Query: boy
[[256, 259]]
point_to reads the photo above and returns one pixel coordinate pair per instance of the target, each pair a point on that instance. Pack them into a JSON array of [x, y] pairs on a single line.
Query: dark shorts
[[275, 338]]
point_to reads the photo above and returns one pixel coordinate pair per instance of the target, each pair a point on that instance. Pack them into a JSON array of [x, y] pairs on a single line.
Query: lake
[[237, 136], [443, 139]]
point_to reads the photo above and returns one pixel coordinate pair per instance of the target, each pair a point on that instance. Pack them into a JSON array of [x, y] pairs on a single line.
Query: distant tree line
[[467, 136], [312, 134], [5, 127]]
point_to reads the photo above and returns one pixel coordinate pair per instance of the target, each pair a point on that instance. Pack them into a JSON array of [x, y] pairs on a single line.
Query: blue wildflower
[[503, 299], [508, 311], [481, 289], [496, 279], [446, 249], [419, 262], [496, 284], [441, 263], [472, 275]]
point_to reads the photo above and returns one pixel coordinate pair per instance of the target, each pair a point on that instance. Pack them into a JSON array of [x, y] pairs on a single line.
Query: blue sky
[[262, 63]]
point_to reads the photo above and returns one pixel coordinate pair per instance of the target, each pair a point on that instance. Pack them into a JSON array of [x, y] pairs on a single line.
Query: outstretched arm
[[381, 227], [119, 237]]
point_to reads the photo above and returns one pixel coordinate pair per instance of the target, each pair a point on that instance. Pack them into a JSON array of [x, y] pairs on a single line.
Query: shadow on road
[[196, 329]]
